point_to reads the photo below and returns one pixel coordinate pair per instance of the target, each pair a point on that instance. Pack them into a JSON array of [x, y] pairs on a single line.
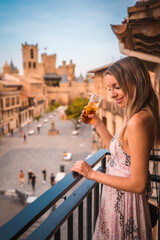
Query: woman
[[124, 211]]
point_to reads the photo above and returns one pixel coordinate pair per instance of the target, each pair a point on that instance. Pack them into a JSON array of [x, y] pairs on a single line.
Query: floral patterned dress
[[123, 215]]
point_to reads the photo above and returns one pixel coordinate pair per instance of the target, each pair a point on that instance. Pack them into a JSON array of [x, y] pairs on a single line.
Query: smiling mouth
[[119, 100]]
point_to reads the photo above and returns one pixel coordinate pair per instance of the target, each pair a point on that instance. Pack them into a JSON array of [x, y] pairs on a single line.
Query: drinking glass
[[92, 107]]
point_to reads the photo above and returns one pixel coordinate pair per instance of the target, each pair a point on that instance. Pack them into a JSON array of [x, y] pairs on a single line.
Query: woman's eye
[[117, 87]]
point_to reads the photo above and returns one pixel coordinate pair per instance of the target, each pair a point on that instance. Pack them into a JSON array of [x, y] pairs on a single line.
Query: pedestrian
[[24, 137], [11, 132], [29, 176], [33, 181], [52, 179], [21, 178], [44, 175], [124, 211], [2, 130], [38, 129], [20, 132]]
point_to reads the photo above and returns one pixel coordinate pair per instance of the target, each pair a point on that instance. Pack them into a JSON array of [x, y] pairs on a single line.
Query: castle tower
[[30, 58], [49, 62], [6, 68]]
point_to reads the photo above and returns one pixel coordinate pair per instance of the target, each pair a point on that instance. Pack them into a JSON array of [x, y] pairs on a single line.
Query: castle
[[23, 97]]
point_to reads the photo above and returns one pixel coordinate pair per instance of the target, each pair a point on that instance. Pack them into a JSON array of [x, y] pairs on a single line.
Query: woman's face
[[115, 91]]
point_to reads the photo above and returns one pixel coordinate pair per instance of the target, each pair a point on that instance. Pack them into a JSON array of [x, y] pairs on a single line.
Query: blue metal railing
[[18, 225], [23, 220]]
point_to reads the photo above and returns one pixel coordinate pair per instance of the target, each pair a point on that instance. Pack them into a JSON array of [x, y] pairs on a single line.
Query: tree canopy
[[75, 109]]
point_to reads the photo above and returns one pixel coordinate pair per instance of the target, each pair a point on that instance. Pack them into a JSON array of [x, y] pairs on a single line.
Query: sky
[[77, 30]]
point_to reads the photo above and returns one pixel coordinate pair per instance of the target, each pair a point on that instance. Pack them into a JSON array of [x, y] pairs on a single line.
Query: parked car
[[32, 131], [75, 132], [45, 120]]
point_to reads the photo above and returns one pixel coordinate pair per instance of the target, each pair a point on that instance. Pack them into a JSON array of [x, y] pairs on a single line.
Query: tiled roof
[[80, 79], [26, 94], [64, 78], [100, 68], [141, 32], [51, 76]]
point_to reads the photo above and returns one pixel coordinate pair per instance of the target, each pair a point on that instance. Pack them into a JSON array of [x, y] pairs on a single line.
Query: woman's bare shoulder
[[141, 119]]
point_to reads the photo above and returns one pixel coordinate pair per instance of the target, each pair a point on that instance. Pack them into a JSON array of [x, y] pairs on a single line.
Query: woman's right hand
[[95, 119]]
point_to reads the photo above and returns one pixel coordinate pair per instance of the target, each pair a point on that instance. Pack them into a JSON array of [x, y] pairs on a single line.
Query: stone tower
[[30, 58], [49, 62]]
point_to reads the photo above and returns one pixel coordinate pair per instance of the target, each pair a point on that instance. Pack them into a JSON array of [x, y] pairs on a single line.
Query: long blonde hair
[[132, 71]]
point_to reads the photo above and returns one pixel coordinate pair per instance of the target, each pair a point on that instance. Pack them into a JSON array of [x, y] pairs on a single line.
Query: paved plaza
[[41, 151]]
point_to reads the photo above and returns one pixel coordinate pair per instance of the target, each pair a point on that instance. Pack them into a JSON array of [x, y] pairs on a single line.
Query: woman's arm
[[139, 139]]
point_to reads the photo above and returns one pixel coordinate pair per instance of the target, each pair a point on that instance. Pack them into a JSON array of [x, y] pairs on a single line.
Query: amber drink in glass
[[92, 106]]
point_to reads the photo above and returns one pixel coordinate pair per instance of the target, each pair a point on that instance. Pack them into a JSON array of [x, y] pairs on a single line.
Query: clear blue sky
[[73, 29]]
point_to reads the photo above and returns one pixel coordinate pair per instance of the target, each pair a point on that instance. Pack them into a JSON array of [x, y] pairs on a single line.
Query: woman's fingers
[[83, 168]]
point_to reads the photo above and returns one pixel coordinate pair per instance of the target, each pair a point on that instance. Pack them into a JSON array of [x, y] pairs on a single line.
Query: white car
[[50, 116], [31, 132], [75, 132], [39, 125], [45, 120]]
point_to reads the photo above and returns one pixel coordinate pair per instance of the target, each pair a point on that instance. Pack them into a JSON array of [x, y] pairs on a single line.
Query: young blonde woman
[[124, 211]]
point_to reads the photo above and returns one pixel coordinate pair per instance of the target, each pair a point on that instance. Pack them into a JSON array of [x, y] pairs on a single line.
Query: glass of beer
[[92, 106]]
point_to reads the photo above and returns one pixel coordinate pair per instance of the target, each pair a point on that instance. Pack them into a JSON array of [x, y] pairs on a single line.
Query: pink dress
[[123, 215]]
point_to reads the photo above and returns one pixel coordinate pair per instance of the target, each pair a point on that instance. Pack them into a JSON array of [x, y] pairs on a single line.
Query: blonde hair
[[132, 71]]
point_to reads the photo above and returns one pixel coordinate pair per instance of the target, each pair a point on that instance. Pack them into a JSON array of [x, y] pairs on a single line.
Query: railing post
[[104, 163], [57, 235], [159, 214], [70, 227], [96, 203], [80, 221], [89, 216]]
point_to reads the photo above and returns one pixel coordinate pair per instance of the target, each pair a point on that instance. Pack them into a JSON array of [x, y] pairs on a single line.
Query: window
[[34, 65], [17, 100], [7, 102], [29, 64], [1, 103], [32, 53], [12, 101]]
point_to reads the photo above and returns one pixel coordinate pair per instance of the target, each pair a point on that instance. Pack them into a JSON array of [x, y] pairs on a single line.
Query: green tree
[[38, 117], [75, 109], [52, 107]]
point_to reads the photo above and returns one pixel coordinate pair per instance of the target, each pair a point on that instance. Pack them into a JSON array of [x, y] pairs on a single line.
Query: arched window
[[32, 53], [29, 64], [34, 65]]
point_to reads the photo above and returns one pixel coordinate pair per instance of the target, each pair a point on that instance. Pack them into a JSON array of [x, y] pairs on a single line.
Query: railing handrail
[[19, 224]]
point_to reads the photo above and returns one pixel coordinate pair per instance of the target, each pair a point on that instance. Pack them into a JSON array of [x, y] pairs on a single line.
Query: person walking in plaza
[[33, 181], [124, 211], [24, 137], [38, 129], [21, 178], [29, 176], [52, 179], [44, 175]]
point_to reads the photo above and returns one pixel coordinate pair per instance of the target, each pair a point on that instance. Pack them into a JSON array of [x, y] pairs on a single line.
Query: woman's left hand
[[83, 168]]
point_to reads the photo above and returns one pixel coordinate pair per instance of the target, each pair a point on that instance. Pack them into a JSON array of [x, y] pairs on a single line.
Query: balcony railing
[[85, 197]]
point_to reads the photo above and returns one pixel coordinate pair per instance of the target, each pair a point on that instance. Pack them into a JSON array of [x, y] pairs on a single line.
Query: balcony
[[82, 198]]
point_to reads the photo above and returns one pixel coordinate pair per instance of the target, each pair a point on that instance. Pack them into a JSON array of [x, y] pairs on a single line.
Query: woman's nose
[[113, 93]]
